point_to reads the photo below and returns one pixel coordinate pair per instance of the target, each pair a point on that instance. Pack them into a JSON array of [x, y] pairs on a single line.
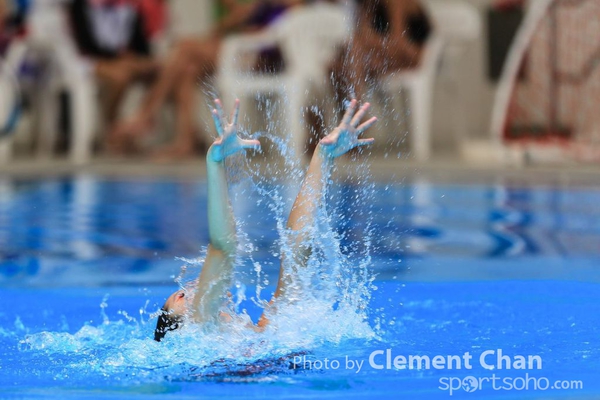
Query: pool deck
[[442, 169]]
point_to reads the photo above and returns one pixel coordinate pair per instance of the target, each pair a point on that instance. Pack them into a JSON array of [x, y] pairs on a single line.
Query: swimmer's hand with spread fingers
[[345, 137], [228, 141]]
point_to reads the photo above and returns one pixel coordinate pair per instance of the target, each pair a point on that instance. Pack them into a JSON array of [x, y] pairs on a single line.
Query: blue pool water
[[458, 269]]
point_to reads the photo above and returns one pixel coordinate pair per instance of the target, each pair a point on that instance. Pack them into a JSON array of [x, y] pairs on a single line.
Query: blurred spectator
[[190, 60], [154, 16], [508, 4], [115, 36], [12, 20], [3, 20], [389, 36]]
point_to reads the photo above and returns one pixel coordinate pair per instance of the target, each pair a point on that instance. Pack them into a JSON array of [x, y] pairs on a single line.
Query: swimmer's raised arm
[[302, 216], [216, 272]]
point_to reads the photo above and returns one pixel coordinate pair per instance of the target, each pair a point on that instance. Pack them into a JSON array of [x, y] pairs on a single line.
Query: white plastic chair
[[49, 29], [307, 37], [419, 82], [455, 24], [48, 32], [7, 70], [460, 26]]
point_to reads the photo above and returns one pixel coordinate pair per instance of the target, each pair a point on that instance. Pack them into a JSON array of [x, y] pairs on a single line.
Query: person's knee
[[122, 80], [187, 46], [190, 70], [114, 75], [189, 75], [179, 58], [198, 51]]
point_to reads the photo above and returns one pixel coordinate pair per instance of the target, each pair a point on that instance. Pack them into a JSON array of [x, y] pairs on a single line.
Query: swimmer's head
[[171, 315]]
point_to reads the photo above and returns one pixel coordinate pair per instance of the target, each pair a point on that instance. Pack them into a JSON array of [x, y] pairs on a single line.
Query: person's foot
[[123, 137], [174, 152], [122, 146], [117, 145]]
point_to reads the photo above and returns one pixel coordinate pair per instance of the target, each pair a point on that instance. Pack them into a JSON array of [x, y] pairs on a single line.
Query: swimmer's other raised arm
[[216, 272], [302, 216]]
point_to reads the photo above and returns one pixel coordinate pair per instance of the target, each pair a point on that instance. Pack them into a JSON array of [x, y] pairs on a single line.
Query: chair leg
[[420, 103], [5, 150], [82, 120], [14, 57], [47, 106]]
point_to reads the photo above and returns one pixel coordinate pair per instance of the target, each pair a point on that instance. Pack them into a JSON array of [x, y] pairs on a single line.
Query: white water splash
[[332, 307]]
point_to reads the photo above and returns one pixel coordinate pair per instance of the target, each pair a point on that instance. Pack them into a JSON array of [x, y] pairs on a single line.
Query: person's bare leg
[[191, 51], [198, 69], [114, 95], [185, 102], [165, 83], [116, 76]]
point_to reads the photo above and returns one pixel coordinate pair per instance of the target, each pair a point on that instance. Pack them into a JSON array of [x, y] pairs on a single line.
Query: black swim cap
[[166, 322]]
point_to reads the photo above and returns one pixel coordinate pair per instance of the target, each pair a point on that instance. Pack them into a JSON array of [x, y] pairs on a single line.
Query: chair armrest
[[236, 46], [432, 54], [428, 66]]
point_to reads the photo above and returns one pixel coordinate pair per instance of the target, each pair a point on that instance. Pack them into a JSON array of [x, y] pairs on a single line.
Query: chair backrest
[[310, 35], [46, 21], [431, 55], [9, 100], [455, 20]]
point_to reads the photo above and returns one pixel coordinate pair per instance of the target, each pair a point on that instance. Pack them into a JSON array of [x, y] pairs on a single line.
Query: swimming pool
[[463, 272]]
